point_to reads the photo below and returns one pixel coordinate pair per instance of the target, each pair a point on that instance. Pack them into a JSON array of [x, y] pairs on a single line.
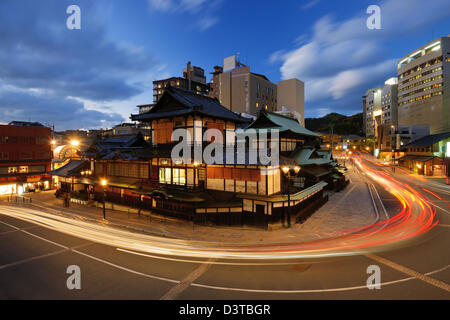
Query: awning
[[316, 171], [115, 182], [416, 158], [71, 169]]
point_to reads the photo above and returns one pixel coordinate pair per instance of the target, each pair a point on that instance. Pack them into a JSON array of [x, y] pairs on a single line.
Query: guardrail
[[17, 199]]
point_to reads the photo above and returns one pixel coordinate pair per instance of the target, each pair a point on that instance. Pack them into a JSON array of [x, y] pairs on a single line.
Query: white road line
[[381, 202], [213, 262], [126, 269], [310, 290], [410, 272], [373, 203], [174, 292], [18, 230], [228, 288], [31, 259], [448, 212], [36, 236]]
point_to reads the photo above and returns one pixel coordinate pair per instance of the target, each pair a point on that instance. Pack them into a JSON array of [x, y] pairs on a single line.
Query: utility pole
[[332, 133]]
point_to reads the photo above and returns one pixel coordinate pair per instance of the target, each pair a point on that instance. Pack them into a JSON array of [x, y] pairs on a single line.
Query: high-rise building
[[242, 91], [389, 102], [291, 96], [380, 108], [372, 111], [424, 86], [193, 80]]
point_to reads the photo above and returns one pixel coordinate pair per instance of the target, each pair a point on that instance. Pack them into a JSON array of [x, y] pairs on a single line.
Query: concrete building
[[193, 80], [243, 91], [389, 102], [380, 108], [291, 96], [372, 111], [25, 157], [424, 86]]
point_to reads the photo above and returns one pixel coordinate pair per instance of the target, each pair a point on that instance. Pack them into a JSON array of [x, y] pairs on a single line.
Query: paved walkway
[[350, 208]]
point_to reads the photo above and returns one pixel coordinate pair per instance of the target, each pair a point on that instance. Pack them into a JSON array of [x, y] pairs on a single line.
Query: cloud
[[38, 54], [207, 22], [192, 6], [344, 58], [310, 4], [46, 108], [204, 10]]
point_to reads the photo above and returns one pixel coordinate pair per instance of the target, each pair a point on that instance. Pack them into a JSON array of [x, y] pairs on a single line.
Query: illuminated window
[[12, 169], [23, 169], [179, 176], [165, 175]]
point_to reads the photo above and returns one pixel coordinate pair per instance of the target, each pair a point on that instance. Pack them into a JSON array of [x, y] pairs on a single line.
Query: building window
[[165, 175], [12, 169], [23, 169], [179, 176]]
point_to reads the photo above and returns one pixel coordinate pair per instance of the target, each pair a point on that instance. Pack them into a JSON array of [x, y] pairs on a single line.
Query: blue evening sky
[[94, 77]]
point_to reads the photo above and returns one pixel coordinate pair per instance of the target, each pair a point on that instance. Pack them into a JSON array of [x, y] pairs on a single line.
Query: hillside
[[342, 124]]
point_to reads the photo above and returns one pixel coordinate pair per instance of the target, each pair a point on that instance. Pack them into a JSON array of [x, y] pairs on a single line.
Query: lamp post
[[287, 172], [104, 184]]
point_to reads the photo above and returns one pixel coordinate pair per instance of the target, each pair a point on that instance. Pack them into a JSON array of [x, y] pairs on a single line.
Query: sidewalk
[[341, 212], [436, 181]]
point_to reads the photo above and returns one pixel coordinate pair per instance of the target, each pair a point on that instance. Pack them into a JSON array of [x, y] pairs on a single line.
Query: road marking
[[126, 269], [31, 259], [174, 292], [234, 289], [17, 230], [410, 272], [432, 203], [311, 290], [381, 202], [215, 262], [40, 257]]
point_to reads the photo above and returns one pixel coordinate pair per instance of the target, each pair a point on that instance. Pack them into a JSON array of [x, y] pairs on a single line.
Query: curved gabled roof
[[282, 123], [190, 103]]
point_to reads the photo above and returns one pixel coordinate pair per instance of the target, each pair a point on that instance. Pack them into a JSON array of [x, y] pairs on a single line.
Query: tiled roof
[[191, 102], [428, 140], [71, 169], [309, 156], [284, 123]]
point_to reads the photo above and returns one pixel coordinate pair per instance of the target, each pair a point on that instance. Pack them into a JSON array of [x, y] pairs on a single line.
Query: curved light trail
[[416, 217]]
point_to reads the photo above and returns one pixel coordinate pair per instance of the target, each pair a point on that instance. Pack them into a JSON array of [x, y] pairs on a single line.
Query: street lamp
[[75, 143], [287, 172], [104, 183]]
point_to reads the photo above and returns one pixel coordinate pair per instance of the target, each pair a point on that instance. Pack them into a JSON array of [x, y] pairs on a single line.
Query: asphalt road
[[34, 259]]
